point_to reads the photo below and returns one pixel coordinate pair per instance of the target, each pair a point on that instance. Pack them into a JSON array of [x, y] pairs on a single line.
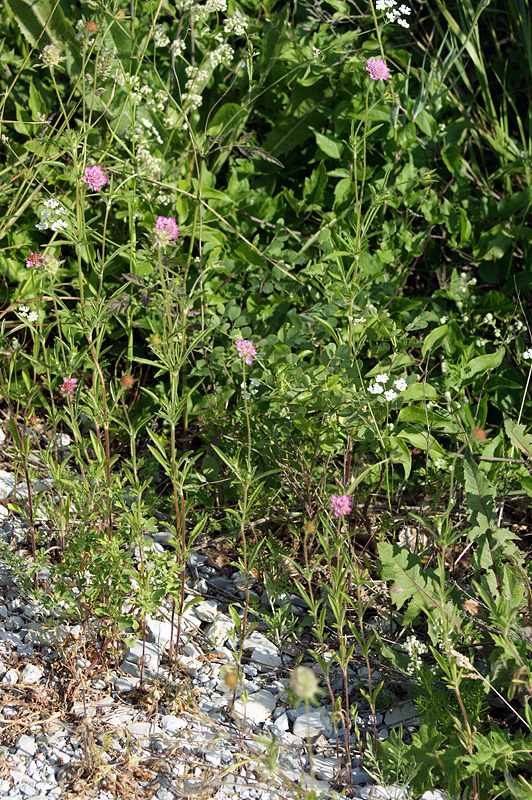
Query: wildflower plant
[[170, 210]]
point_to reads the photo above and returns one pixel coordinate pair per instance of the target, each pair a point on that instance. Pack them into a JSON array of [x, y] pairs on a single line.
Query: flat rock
[[313, 724], [149, 653], [434, 794], [256, 640], [219, 631], [41, 634], [405, 713], [206, 610], [264, 659], [258, 708]]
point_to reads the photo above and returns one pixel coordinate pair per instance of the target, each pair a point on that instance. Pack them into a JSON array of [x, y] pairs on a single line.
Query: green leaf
[[331, 147], [480, 365], [410, 581], [401, 454], [435, 338], [34, 17], [420, 441], [518, 436]]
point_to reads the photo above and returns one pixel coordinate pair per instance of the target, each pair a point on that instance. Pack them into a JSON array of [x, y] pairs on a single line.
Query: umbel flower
[[166, 231], [378, 71], [95, 177]]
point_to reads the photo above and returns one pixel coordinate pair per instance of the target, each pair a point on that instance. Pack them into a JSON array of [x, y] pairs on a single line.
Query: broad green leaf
[[480, 365], [435, 338], [420, 441], [331, 147]]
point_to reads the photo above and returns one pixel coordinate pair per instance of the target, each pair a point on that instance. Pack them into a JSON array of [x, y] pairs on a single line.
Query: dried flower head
[[304, 683], [51, 55], [378, 71], [127, 381]]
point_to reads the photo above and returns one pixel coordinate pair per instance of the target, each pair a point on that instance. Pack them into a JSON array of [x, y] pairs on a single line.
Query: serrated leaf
[[409, 579], [518, 436]]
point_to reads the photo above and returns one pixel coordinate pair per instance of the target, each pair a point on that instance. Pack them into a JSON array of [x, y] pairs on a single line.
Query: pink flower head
[[246, 350], [69, 385], [95, 177], [34, 260], [378, 71], [480, 434], [341, 505], [166, 231]]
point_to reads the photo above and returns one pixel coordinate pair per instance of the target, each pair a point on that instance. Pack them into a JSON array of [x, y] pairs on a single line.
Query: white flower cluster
[[197, 78], [147, 163], [177, 47], [528, 354], [394, 14], [222, 55], [378, 387], [25, 312], [152, 129], [216, 5], [316, 52], [357, 320], [252, 388], [415, 650], [155, 101], [236, 24], [52, 216], [160, 36]]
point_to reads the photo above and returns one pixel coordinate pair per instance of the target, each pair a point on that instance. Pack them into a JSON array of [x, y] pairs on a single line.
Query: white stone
[[26, 745], [148, 653], [397, 792], [206, 610], [143, 730], [125, 684], [160, 632], [11, 676], [258, 708], [170, 723], [264, 659], [7, 484], [219, 631], [325, 768], [373, 793], [32, 674], [434, 794], [403, 714], [313, 724], [257, 639], [2, 436]]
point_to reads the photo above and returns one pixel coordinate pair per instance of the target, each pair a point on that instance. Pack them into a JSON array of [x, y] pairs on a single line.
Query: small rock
[[265, 659], [206, 610], [312, 725], [41, 634], [373, 793], [258, 708], [434, 794], [405, 713], [257, 639], [170, 723], [143, 730], [26, 745], [219, 631], [325, 768], [32, 674], [125, 684], [397, 792], [11, 676]]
